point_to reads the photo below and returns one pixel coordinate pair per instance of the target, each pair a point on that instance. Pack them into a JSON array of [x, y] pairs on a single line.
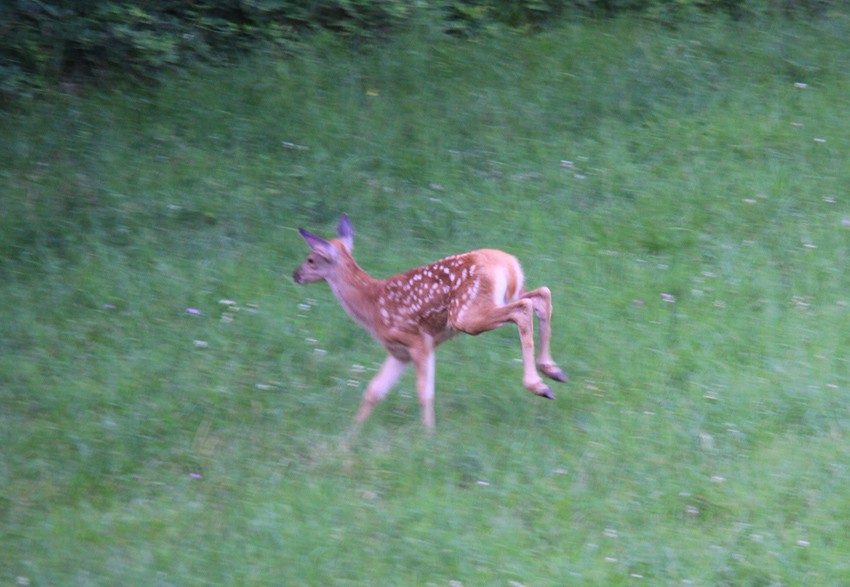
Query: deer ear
[[345, 233], [317, 244]]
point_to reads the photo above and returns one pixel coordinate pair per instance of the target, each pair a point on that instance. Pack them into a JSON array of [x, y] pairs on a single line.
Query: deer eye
[[310, 260]]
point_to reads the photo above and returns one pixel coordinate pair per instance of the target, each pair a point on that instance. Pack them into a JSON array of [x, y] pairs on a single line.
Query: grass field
[[683, 192]]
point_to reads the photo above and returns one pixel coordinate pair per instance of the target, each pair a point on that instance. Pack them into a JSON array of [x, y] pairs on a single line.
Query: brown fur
[[414, 312]]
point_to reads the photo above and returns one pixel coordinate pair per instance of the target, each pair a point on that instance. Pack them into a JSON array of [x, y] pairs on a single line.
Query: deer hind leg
[[541, 298], [380, 385], [488, 316]]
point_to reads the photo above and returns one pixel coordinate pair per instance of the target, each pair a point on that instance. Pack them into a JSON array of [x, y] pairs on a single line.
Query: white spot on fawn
[[500, 286], [474, 292]]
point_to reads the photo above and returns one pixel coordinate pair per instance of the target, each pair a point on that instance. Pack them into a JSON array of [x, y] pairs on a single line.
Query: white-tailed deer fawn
[[416, 311]]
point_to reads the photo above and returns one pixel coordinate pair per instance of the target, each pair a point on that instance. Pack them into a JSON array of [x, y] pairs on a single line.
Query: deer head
[[323, 261]]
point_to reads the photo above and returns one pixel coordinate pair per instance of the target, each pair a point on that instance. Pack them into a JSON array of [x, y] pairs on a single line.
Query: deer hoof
[[545, 392], [552, 372], [561, 376]]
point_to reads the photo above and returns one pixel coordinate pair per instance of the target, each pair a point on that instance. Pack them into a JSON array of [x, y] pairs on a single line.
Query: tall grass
[[681, 191]]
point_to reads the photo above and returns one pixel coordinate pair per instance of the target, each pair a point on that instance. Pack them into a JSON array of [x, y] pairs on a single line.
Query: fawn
[[414, 312]]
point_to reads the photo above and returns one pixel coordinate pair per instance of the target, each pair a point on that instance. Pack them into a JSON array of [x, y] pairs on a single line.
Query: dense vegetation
[[175, 411], [43, 42]]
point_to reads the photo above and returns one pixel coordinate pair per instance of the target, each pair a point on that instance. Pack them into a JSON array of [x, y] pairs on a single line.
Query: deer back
[[427, 298]]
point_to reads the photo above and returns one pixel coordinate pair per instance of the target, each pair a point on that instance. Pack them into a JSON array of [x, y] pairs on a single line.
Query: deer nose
[[296, 277]]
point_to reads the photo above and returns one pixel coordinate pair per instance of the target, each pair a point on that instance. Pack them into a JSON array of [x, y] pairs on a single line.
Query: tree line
[[43, 42]]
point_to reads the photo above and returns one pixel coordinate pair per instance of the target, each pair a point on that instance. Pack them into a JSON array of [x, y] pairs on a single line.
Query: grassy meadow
[[682, 191]]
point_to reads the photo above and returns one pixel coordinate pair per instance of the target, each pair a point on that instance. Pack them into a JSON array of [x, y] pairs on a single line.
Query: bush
[[43, 41]]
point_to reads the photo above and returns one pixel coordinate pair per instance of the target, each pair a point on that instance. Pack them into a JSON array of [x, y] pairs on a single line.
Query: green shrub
[[43, 41]]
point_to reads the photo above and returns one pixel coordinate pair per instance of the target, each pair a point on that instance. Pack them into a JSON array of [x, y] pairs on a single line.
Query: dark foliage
[[46, 41]]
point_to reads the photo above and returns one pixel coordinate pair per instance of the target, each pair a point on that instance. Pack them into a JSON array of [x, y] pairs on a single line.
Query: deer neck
[[358, 293]]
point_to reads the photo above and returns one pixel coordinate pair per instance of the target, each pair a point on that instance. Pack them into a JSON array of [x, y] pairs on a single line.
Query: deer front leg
[[424, 358], [380, 385], [541, 298]]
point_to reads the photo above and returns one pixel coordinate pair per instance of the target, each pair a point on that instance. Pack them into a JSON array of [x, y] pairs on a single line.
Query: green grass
[[701, 442]]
